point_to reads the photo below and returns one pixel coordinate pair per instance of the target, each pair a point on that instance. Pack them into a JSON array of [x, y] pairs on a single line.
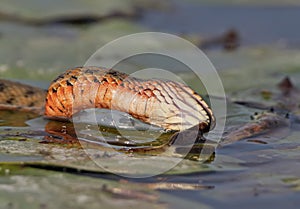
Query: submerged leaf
[[23, 187]]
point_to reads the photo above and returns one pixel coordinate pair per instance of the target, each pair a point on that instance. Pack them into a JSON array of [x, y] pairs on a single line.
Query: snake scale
[[167, 104]]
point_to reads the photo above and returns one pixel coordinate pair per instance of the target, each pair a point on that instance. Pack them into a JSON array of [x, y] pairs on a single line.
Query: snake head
[[170, 105], [192, 111]]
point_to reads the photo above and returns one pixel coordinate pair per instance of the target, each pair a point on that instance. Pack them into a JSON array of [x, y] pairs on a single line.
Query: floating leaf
[[22, 187]]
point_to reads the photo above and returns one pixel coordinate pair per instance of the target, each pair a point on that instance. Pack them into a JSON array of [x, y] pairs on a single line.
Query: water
[[256, 25], [261, 184]]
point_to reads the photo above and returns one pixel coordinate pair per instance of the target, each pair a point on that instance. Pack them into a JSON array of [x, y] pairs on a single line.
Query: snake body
[[17, 96], [167, 104]]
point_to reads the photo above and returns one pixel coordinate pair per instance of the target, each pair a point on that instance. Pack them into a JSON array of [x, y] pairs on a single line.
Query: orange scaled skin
[[167, 104]]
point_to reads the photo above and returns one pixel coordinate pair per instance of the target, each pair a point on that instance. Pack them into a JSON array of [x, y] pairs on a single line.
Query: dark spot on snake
[[74, 77], [113, 73], [60, 110], [10, 100], [51, 107], [31, 104], [90, 71], [104, 80], [105, 92], [62, 105], [29, 92], [69, 83], [2, 87], [96, 80], [54, 90], [59, 77]]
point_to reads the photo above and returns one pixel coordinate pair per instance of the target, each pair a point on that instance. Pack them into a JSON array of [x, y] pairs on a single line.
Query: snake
[[164, 103]]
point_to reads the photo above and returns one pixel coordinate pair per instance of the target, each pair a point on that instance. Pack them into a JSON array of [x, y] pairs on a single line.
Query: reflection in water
[[181, 144], [193, 148], [15, 119]]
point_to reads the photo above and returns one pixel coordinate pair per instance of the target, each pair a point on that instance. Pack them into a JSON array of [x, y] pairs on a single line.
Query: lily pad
[[259, 66], [45, 9], [22, 187], [24, 147]]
